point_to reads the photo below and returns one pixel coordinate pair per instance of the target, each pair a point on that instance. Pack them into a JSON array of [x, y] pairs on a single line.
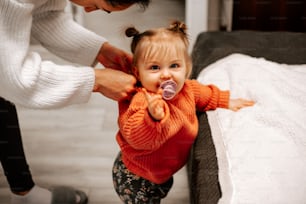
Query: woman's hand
[[115, 58], [237, 104], [114, 84], [155, 105]]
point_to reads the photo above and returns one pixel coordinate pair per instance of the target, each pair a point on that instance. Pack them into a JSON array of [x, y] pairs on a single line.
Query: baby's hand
[[155, 105], [237, 104]]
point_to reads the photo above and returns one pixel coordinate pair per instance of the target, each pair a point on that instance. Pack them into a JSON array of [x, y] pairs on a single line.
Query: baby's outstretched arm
[[237, 104], [155, 105]]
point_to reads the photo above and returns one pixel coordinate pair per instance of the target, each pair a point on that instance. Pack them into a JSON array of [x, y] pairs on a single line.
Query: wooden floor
[[76, 145]]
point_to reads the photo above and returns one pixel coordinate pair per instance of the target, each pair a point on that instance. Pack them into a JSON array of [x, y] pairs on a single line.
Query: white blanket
[[261, 150]]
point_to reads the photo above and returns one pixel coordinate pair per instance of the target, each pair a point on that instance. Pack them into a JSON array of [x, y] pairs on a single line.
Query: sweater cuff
[[224, 99]]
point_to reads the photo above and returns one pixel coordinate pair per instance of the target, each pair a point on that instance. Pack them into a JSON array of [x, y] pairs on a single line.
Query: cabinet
[[269, 15]]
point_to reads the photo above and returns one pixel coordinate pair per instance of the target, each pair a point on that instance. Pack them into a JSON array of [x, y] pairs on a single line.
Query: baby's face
[[152, 72]]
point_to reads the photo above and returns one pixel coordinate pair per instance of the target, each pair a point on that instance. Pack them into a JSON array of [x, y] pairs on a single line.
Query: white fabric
[[28, 80], [261, 150]]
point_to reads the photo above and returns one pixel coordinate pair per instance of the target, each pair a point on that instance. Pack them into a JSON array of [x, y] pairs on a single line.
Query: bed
[[256, 163]]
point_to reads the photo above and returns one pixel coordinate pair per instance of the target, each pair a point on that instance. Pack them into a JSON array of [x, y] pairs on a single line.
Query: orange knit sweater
[[155, 150]]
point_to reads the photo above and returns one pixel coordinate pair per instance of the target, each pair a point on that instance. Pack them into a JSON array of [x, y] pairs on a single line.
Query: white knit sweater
[[27, 80]]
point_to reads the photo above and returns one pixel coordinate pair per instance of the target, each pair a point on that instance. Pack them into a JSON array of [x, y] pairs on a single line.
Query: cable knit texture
[[26, 79], [155, 150]]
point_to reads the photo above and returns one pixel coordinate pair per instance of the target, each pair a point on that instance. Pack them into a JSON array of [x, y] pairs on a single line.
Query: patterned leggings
[[133, 189]]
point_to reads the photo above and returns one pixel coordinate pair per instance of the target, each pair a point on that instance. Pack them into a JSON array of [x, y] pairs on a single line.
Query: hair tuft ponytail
[[131, 32], [178, 26]]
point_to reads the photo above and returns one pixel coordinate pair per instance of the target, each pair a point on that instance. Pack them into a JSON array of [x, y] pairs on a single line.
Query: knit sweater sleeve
[[209, 97], [56, 31], [139, 129], [27, 80]]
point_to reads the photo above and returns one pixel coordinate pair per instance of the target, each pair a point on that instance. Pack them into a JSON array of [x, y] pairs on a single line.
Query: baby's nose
[[165, 74]]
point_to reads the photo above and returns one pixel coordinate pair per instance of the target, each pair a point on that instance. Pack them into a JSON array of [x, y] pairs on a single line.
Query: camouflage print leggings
[[133, 189]]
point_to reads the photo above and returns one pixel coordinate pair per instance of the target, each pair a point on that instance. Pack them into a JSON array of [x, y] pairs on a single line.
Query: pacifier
[[169, 89]]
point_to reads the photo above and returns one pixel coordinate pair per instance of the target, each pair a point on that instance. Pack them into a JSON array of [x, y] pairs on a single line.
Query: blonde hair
[[161, 42]]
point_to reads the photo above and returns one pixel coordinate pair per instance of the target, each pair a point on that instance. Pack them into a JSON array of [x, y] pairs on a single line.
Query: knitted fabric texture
[[155, 150], [260, 149], [28, 80]]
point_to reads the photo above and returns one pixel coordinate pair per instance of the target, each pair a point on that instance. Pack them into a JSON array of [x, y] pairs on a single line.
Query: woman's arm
[[27, 80], [55, 30]]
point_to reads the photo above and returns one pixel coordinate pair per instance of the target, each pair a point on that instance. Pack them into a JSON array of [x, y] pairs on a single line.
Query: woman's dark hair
[[143, 3]]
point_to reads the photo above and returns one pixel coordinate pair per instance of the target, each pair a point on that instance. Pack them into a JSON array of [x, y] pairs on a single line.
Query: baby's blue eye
[[175, 65]]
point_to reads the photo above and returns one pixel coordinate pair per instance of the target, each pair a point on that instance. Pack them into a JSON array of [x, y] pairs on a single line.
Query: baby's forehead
[[158, 52], [160, 46]]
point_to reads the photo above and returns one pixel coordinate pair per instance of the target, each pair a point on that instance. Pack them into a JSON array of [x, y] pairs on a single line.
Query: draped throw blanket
[[261, 150]]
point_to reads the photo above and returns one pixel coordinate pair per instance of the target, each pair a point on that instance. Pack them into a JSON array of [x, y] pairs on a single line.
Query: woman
[[27, 80]]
